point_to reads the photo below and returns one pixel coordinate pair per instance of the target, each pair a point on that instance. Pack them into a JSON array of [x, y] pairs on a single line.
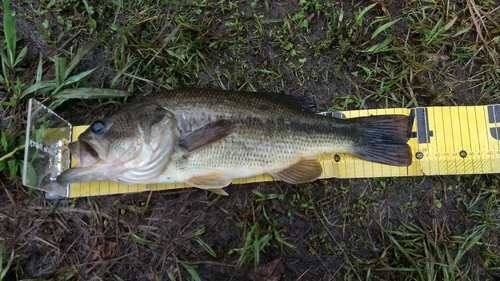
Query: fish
[[206, 138]]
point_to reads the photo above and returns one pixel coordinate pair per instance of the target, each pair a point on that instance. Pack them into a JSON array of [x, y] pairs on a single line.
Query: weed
[[344, 55], [253, 246], [260, 236], [56, 90], [416, 253], [203, 244], [192, 272], [5, 265]]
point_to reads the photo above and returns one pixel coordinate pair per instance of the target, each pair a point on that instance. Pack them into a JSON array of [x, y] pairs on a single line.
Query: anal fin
[[213, 182], [305, 170]]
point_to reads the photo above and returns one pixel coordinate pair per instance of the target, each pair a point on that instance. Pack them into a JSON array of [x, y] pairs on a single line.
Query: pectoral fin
[[306, 170], [206, 135], [213, 182]]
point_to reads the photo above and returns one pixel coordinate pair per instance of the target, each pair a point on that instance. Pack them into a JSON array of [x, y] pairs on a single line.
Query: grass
[[432, 252], [343, 54], [5, 265]]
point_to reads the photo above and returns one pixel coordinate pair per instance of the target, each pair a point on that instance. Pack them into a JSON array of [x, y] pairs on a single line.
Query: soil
[[335, 226]]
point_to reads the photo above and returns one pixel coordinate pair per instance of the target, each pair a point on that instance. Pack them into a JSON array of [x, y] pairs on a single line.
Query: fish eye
[[98, 127]]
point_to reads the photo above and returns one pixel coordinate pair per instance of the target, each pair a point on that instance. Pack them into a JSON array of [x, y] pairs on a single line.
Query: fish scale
[[263, 146], [223, 135]]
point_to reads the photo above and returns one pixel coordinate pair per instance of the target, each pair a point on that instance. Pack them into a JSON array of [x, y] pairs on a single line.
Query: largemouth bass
[[207, 138]]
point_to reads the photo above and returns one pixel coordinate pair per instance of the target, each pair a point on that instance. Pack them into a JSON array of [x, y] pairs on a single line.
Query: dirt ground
[[326, 230]]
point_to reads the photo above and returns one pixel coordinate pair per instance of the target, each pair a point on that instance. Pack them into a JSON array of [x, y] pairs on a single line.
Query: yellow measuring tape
[[444, 141]]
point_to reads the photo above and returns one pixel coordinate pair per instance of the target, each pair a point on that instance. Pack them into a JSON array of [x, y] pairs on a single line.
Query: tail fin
[[384, 139]]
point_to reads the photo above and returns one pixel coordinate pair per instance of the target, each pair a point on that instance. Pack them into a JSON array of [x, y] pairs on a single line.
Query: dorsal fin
[[303, 104]]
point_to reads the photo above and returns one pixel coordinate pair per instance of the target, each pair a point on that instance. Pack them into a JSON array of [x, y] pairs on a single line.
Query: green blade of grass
[[461, 31], [191, 271], [39, 70], [78, 77], [4, 77], [429, 266], [140, 239], [90, 93], [60, 67], [30, 172], [359, 17], [5, 268], [10, 154], [469, 242], [21, 55], [205, 246], [281, 241], [450, 24], [383, 27], [78, 57], [381, 47], [243, 251], [48, 85], [118, 278], [4, 271], [5, 144], [10, 32]]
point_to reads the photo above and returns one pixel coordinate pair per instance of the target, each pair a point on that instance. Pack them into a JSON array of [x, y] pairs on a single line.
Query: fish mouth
[[132, 147], [92, 167], [89, 167], [84, 153]]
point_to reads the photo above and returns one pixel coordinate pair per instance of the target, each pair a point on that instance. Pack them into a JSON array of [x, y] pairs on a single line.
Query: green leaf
[[140, 239], [359, 17], [56, 103], [205, 246], [78, 57], [450, 24], [18, 88], [45, 23], [39, 86], [30, 173], [10, 32], [78, 77], [118, 278], [13, 168], [9, 103], [60, 67], [11, 153], [39, 70], [462, 31], [383, 27], [381, 47], [174, 54], [5, 144], [4, 270], [21, 55], [90, 9], [3, 62], [90, 93], [191, 272]]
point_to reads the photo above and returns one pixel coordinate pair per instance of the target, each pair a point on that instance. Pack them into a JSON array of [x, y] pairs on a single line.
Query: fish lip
[[90, 149], [87, 160], [96, 171], [81, 150]]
